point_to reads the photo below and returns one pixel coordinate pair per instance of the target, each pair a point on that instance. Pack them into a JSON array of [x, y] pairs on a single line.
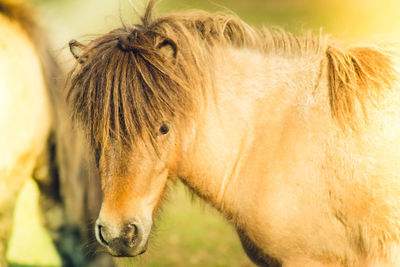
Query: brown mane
[[126, 86], [357, 76]]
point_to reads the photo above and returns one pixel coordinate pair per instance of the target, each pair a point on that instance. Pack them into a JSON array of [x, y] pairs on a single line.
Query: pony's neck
[[253, 92]]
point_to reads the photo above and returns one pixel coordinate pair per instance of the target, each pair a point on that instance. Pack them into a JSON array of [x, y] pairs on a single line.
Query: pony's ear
[[168, 49], [76, 49]]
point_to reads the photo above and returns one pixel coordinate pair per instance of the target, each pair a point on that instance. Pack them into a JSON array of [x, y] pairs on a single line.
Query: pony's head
[[134, 91], [128, 94]]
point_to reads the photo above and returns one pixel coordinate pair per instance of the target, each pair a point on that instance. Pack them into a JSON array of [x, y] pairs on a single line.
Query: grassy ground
[[30, 244]]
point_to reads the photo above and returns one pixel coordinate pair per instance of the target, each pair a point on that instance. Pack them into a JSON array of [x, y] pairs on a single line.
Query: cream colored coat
[[305, 191], [25, 118]]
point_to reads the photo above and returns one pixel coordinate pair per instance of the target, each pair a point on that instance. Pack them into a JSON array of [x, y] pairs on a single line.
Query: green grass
[[30, 244]]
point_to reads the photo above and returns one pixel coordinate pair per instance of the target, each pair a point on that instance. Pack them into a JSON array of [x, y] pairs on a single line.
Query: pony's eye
[[164, 129]]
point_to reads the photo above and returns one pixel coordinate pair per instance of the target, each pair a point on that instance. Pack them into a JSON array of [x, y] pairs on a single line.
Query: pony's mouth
[[125, 252]]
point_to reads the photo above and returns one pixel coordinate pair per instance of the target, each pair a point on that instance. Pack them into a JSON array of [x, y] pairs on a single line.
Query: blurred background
[[188, 232]]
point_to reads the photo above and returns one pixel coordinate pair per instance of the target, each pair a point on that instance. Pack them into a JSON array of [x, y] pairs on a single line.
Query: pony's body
[[25, 117], [270, 158], [294, 139]]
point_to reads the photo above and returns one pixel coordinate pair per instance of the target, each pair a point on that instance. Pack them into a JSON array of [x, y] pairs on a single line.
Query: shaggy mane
[[357, 76], [134, 78]]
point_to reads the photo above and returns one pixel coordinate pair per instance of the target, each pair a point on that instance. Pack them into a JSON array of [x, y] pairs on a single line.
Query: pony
[[25, 109], [294, 139], [36, 140]]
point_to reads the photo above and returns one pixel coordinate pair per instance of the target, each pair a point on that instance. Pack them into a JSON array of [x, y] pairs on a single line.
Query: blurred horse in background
[[25, 109], [294, 139], [75, 177], [36, 139]]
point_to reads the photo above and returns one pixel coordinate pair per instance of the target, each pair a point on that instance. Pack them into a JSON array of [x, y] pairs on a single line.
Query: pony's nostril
[[100, 230], [131, 229], [130, 233], [121, 241]]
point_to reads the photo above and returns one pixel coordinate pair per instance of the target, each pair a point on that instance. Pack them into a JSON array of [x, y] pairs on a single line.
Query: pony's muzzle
[[125, 241]]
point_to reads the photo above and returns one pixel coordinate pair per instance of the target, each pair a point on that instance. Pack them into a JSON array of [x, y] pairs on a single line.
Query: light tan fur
[[24, 118], [287, 172], [294, 139]]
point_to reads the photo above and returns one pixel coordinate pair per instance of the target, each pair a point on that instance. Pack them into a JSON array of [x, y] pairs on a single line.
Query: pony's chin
[[127, 254]]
